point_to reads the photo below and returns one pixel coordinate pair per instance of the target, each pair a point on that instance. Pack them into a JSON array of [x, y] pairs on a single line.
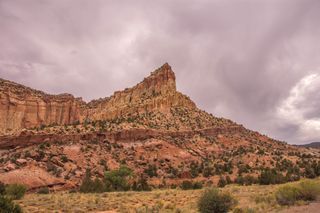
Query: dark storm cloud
[[255, 62]]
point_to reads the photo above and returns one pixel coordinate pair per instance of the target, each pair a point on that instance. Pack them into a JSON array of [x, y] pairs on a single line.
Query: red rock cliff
[[23, 107], [156, 92]]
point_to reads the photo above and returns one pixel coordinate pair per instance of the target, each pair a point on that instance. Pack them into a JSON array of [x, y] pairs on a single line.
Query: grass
[[256, 198]]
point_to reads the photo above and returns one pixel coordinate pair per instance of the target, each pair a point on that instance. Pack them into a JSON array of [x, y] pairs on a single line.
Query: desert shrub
[[249, 180], [141, 184], [186, 185], [44, 190], [307, 190], [64, 159], [222, 182], [91, 186], [197, 185], [151, 171], [2, 188], [8, 206], [228, 179], [239, 180], [15, 191], [287, 195], [117, 180], [207, 171], [271, 176], [213, 201]]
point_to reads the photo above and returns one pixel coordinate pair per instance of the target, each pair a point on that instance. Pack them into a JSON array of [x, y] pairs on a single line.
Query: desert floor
[[253, 198]]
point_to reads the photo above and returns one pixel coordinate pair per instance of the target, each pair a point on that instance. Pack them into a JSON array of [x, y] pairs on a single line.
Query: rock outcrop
[[23, 107], [155, 93]]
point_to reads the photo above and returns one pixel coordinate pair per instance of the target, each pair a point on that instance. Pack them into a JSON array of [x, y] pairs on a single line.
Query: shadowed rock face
[[23, 107]]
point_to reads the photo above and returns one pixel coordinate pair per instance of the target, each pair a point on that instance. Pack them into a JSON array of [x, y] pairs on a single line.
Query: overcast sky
[[256, 62]]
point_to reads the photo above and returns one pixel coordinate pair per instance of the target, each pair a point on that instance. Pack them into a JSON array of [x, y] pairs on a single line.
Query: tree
[[117, 180]]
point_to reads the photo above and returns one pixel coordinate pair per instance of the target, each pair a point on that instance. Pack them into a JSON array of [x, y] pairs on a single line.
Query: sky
[[256, 62]]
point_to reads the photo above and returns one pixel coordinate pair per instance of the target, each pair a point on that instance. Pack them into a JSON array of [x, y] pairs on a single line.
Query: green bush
[[213, 201], [271, 176], [307, 190], [186, 185], [287, 195], [197, 185], [44, 190], [8, 206], [15, 191], [117, 180]]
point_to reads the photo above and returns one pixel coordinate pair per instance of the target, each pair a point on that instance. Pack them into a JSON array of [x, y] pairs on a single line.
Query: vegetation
[[271, 176], [7, 193], [188, 185], [289, 194], [8, 206], [44, 190], [15, 191], [213, 201], [116, 180], [91, 186]]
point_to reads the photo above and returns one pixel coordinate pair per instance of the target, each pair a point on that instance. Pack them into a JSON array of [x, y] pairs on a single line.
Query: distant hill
[[312, 145]]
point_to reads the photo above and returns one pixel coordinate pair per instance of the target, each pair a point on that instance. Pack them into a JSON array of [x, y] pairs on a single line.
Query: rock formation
[[23, 107], [155, 93], [150, 125]]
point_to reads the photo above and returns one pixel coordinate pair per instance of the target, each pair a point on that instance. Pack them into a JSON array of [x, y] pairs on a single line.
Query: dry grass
[[257, 198]]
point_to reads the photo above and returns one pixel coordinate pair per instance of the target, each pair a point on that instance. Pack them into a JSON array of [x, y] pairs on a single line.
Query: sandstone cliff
[[23, 107], [155, 93]]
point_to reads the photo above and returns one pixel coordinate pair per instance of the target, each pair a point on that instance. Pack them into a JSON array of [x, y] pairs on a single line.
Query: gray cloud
[[241, 59]]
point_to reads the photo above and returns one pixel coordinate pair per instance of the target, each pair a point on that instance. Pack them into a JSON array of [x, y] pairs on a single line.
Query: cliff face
[[155, 93], [22, 107]]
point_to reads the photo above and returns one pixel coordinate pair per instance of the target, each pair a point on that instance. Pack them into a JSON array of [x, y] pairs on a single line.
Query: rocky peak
[[162, 80], [157, 92]]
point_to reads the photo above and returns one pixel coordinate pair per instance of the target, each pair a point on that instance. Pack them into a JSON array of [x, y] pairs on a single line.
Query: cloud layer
[[255, 62]]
